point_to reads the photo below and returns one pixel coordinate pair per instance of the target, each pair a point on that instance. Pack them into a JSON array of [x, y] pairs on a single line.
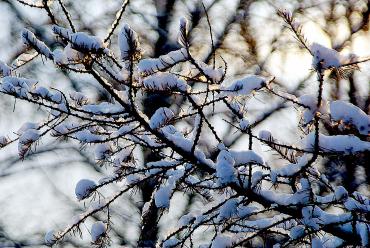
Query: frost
[[349, 113], [161, 117], [225, 170], [98, 230], [84, 188], [164, 81], [326, 56], [245, 86]]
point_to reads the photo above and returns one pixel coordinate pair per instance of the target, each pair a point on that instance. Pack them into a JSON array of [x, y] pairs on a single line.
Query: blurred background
[[37, 194]]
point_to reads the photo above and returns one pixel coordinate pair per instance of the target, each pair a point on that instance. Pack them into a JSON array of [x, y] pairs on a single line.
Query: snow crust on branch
[[128, 42], [84, 188], [149, 66], [349, 113], [164, 81], [327, 57], [245, 86], [30, 39]]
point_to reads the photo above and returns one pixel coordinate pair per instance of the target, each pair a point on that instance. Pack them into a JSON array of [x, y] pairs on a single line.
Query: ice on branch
[[225, 170], [30, 40], [327, 57], [128, 43], [245, 86], [150, 66], [337, 143], [5, 70], [84, 188], [164, 81], [350, 114], [98, 230], [161, 117]]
